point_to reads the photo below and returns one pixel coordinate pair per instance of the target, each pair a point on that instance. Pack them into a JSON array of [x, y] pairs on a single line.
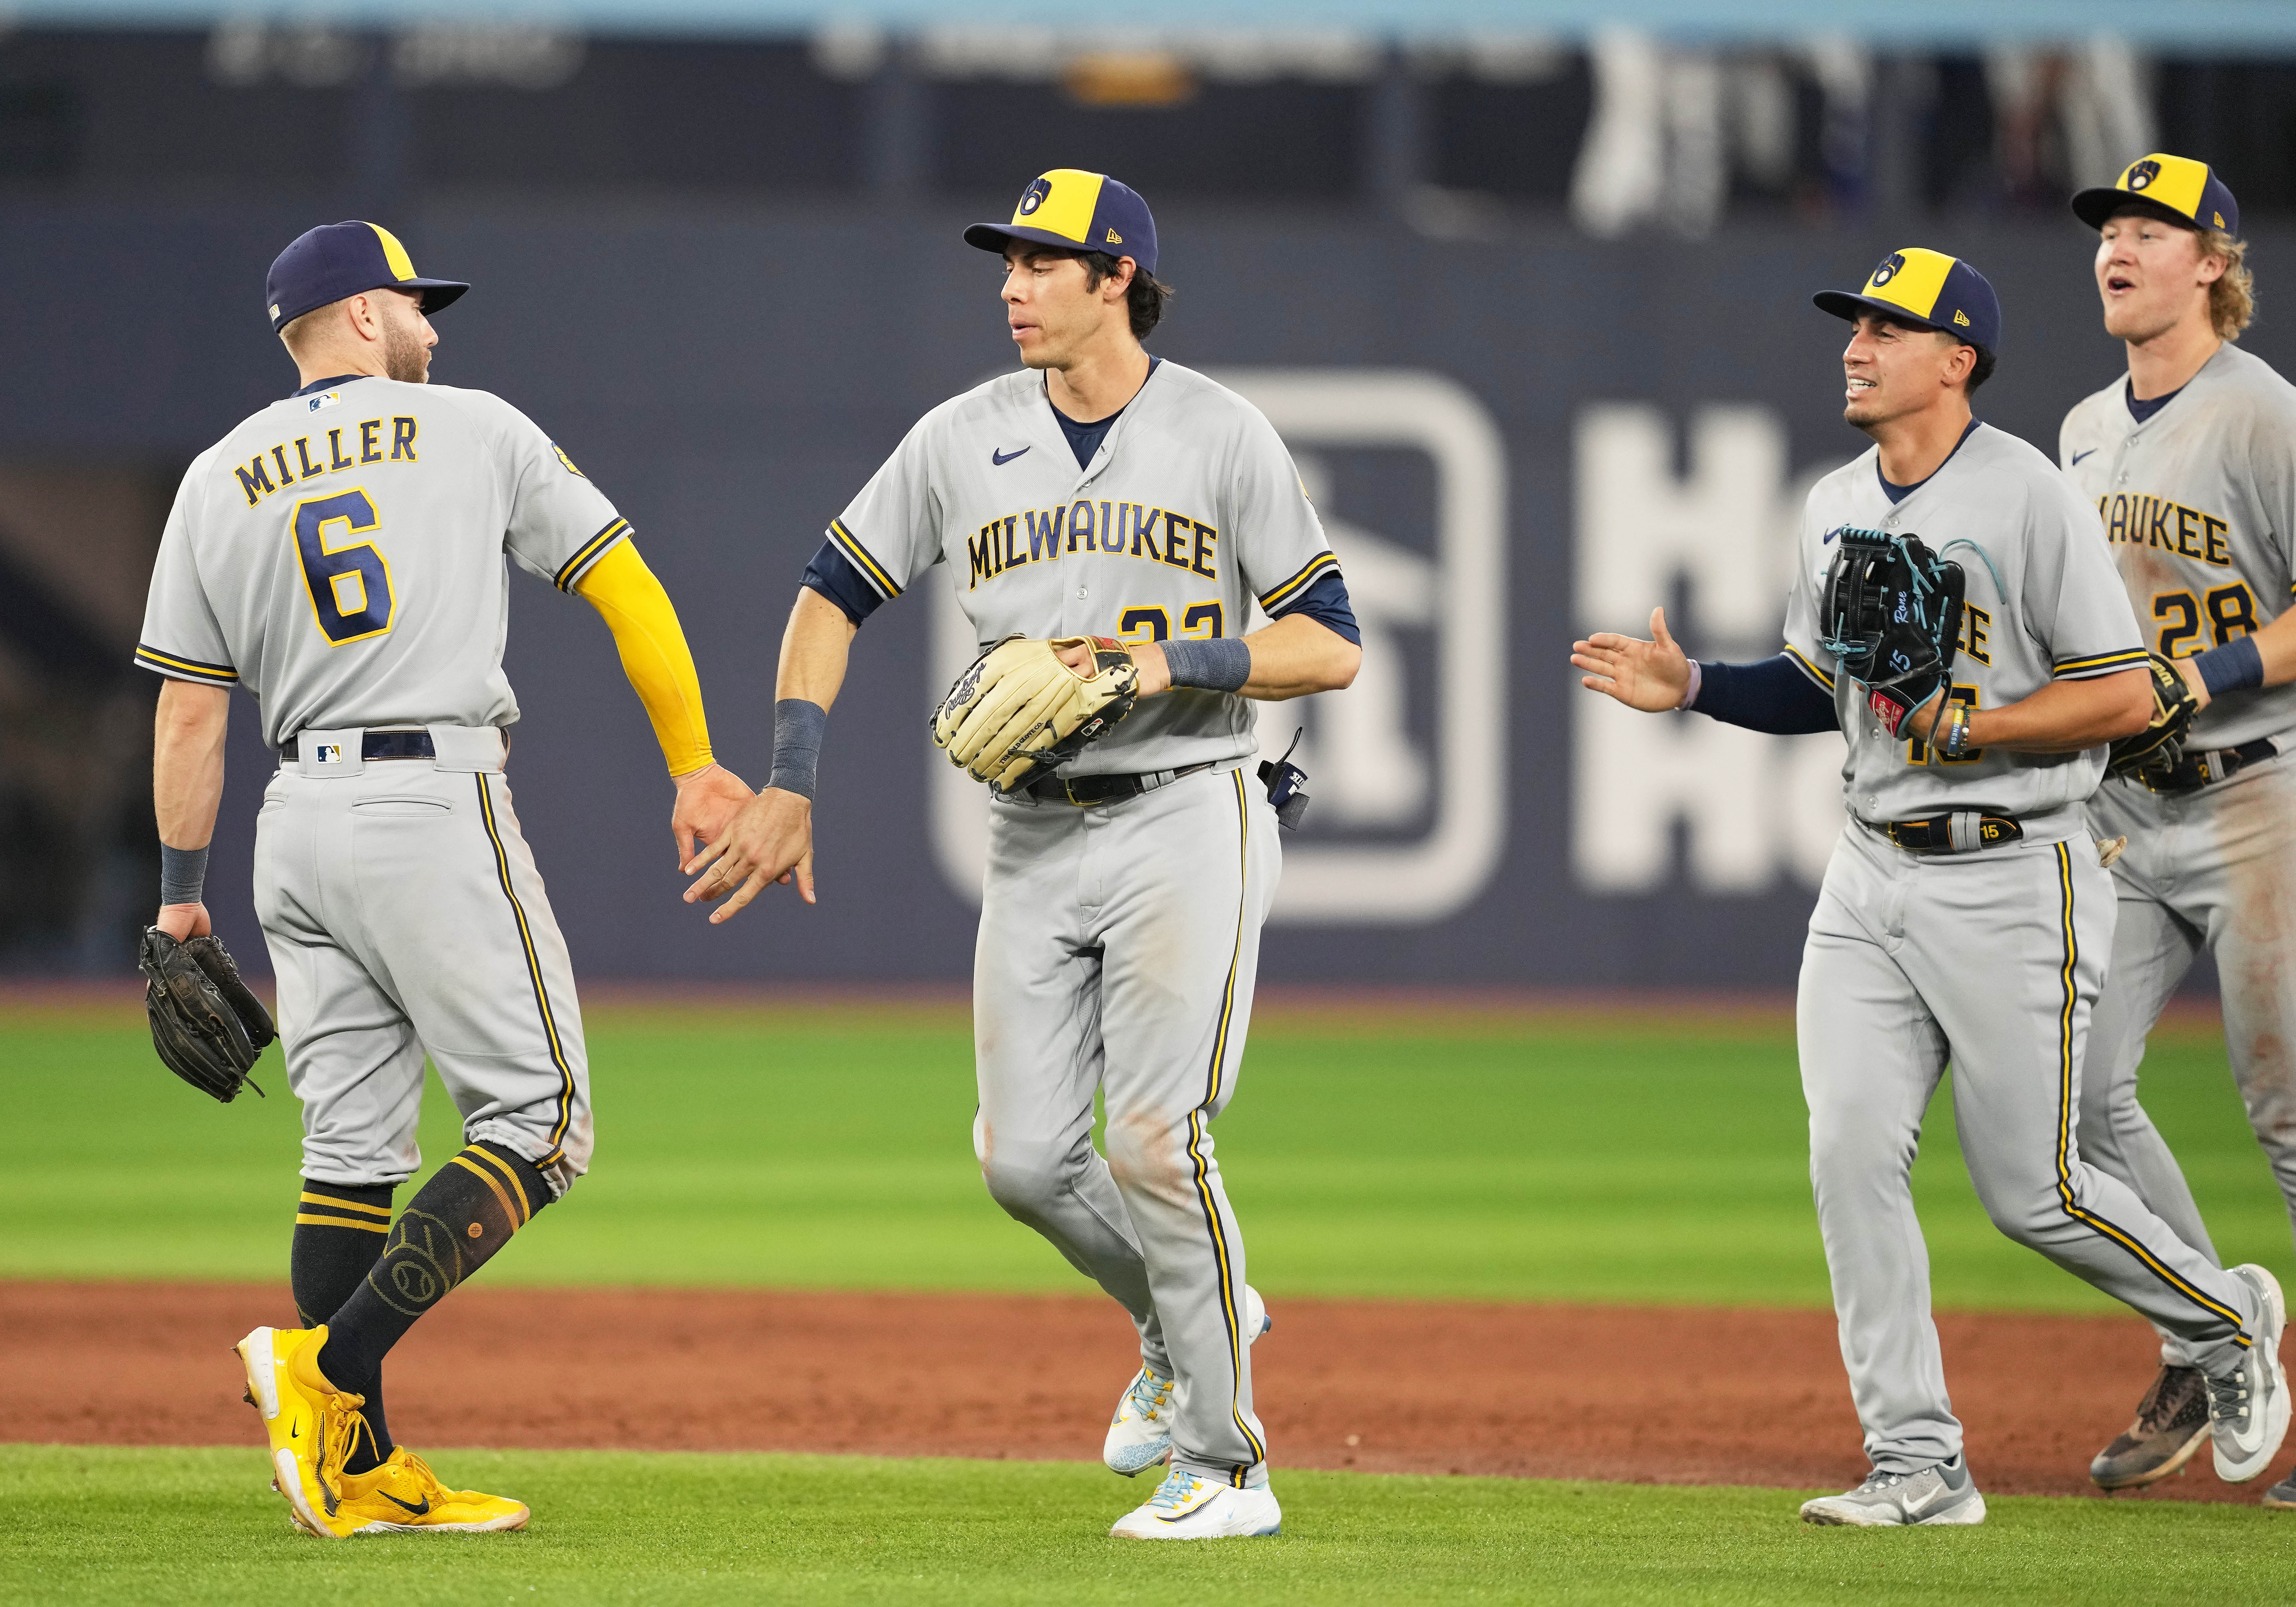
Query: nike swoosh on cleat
[[395, 1501], [1002, 458], [1924, 1504], [2078, 456]]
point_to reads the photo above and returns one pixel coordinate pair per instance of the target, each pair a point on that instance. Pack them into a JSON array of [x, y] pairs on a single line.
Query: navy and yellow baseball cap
[[1076, 211], [2184, 189], [339, 259], [1929, 289]]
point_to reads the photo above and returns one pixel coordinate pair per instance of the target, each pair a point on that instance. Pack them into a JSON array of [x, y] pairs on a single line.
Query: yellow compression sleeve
[[654, 654]]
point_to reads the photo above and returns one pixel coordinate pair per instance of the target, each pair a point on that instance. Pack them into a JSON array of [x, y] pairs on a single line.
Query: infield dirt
[[1675, 1396]]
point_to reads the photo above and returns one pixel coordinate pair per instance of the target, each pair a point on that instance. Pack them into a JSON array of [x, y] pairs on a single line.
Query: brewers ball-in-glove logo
[[1038, 192], [2142, 174], [1887, 271]]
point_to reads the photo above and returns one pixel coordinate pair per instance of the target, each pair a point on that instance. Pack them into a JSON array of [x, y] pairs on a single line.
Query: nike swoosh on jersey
[[2078, 456], [395, 1501], [1002, 458]]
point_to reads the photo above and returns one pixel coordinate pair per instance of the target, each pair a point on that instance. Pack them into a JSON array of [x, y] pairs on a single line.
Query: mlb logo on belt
[[327, 753]]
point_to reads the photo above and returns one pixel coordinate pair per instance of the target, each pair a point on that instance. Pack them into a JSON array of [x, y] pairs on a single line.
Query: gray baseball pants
[[1117, 948], [2216, 867], [1992, 961], [403, 915]]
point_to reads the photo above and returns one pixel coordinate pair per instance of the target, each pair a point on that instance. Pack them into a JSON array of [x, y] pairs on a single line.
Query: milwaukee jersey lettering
[[339, 553], [2198, 504], [1190, 511], [2042, 604]]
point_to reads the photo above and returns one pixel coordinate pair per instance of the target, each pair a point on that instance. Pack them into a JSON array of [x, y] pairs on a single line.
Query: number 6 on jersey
[[349, 585]]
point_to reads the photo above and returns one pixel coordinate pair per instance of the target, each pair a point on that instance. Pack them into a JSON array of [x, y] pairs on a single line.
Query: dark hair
[[1982, 371], [1146, 297]]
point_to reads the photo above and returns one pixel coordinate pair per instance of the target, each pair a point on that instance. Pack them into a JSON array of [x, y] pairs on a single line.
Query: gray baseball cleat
[[2171, 1426], [2247, 1407], [1944, 1492]]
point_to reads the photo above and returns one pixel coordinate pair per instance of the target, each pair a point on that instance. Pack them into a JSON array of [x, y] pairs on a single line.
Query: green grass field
[[1635, 1160], [1490, 1159], [197, 1525]]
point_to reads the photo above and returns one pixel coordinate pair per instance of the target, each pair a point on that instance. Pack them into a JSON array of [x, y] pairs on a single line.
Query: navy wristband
[[183, 874], [798, 725], [1221, 664], [2238, 666]]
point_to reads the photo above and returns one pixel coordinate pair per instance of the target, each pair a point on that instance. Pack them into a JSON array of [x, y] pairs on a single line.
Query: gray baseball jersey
[[1991, 958], [2198, 503], [1190, 509], [340, 555], [2043, 604], [2199, 508]]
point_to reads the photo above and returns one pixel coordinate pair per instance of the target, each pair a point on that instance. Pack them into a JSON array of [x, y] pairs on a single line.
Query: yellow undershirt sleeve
[[654, 654]]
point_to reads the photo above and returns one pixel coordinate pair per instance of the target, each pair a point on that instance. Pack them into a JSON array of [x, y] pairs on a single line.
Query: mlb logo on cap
[[1074, 210]]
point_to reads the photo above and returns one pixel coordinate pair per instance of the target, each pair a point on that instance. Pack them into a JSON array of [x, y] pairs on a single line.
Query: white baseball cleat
[[1942, 1494], [2247, 1407], [1140, 1433], [1185, 1507]]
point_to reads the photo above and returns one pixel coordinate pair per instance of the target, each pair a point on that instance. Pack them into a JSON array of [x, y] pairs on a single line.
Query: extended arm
[[771, 840], [187, 737], [2267, 658], [661, 668], [1773, 695]]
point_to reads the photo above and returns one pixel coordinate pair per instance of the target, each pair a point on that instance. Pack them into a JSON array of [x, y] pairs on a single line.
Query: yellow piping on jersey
[[569, 573], [1316, 567], [654, 653], [850, 545], [533, 966], [215, 675], [2097, 663], [1808, 669]]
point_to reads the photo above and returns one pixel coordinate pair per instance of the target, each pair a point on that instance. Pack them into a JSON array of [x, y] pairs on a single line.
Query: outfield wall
[[1512, 438]]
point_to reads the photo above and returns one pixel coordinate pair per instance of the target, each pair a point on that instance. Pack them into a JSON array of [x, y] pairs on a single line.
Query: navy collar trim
[[340, 379], [1898, 493]]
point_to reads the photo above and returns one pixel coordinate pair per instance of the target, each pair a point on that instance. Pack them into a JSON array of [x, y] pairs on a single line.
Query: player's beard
[[405, 357]]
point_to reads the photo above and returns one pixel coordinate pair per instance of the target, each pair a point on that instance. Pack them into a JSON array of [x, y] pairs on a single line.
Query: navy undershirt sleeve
[[833, 574], [1326, 603], [1773, 695]]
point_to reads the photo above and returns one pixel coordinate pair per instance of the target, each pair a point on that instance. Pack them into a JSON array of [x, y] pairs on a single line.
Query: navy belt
[[2195, 770], [375, 745], [1085, 791], [1963, 832]]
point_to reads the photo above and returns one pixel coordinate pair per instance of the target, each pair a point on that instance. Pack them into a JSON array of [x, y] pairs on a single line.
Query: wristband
[[798, 725], [1697, 681], [1221, 664], [2238, 666], [1956, 735], [183, 874]]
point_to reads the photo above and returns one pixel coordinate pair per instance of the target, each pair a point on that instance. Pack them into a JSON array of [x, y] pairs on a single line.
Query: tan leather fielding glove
[[1019, 713]]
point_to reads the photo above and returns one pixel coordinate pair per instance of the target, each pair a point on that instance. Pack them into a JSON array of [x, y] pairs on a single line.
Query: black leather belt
[[1963, 832], [1085, 791], [2197, 770], [377, 745]]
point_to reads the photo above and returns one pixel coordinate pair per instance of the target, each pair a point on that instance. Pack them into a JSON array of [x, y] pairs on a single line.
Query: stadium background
[[1520, 1150]]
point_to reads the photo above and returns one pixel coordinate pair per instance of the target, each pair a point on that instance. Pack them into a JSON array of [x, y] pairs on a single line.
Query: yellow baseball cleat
[[404, 1496], [312, 1424]]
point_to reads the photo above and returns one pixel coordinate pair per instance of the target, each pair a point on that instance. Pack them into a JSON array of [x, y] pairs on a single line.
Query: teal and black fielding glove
[[1891, 618], [208, 1028]]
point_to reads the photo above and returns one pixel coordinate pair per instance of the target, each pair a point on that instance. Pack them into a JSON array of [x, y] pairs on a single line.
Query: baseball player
[[2191, 461], [339, 553], [1953, 615], [1100, 493]]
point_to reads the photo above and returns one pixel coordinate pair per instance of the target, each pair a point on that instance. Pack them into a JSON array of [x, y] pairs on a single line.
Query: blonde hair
[[2232, 298]]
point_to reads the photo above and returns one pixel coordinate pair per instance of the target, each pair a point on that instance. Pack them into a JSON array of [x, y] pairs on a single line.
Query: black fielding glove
[[207, 1028]]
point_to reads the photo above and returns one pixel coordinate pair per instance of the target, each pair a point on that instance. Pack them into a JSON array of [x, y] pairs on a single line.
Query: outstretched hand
[[708, 799], [1650, 676], [769, 841]]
